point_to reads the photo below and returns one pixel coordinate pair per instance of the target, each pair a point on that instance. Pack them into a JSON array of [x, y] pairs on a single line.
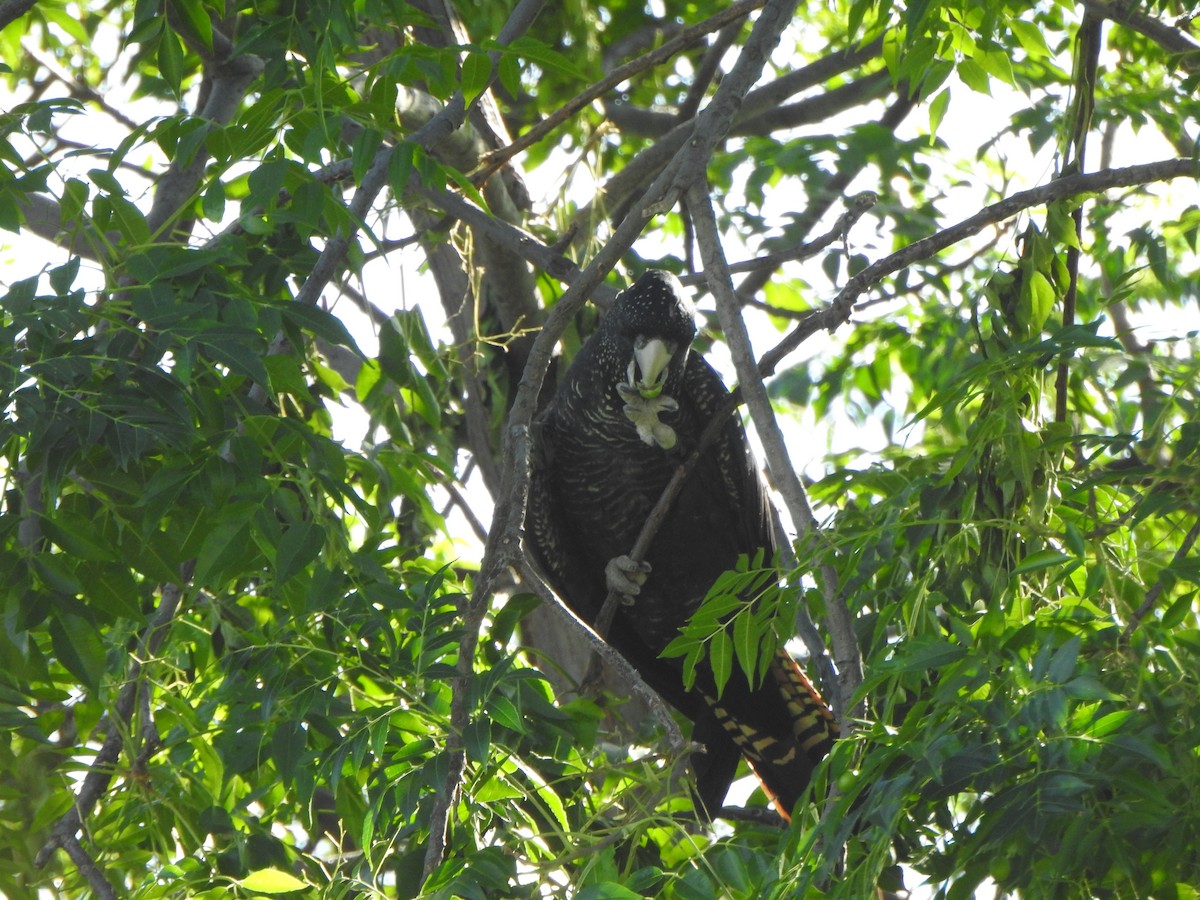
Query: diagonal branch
[[712, 431], [1185, 547], [783, 473], [838, 311], [92, 872]]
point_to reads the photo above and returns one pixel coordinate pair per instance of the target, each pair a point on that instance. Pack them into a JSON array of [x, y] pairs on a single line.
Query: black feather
[[595, 479]]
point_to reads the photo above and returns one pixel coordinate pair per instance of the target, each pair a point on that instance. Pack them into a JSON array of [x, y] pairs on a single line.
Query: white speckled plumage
[[604, 449]]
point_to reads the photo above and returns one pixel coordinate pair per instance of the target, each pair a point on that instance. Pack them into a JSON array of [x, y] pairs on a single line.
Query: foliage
[[243, 652]]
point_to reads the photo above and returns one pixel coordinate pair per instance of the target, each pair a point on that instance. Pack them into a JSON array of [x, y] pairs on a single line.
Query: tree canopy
[[284, 284]]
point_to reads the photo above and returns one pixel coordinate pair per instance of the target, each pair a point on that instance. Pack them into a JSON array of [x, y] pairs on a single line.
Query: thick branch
[[1127, 13], [85, 864], [635, 120], [783, 473], [838, 311], [503, 544], [229, 79], [650, 161], [681, 41]]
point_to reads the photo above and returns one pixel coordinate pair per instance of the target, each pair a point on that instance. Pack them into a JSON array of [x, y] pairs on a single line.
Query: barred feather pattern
[[594, 480], [775, 757]]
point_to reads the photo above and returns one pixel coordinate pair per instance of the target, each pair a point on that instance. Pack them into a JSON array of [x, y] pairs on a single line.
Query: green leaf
[[509, 73], [79, 647], [129, 220], [287, 748], [503, 711], [937, 111], [170, 60], [1107, 724], [69, 23], [320, 322], [401, 166], [1042, 297], [212, 202], [196, 19], [362, 154], [925, 653], [542, 54], [608, 890], [111, 588], [272, 881], [1043, 559], [221, 548], [286, 377], [78, 537], [974, 77], [299, 546], [1179, 610], [1062, 664], [720, 655], [106, 181], [914, 17], [1030, 36], [234, 353], [745, 644], [476, 74], [997, 64]]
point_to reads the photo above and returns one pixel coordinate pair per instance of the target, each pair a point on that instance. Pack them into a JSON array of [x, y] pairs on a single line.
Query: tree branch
[[1127, 13], [228, 79], [838, 311], [84, 862], [647, 164], [818, 108], [681, 41], [783, 473], [1185, 547]]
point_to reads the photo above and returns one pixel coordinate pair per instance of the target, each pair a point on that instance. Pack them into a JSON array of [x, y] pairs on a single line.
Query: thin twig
[[85, 864], [1157, 588], [101, 772]]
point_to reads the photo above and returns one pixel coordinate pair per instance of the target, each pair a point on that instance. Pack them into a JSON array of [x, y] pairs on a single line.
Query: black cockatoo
[[631, 407]]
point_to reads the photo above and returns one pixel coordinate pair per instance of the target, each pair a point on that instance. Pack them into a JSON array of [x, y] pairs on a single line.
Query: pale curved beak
[[648, 368]]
